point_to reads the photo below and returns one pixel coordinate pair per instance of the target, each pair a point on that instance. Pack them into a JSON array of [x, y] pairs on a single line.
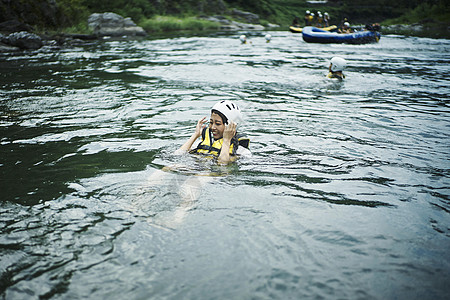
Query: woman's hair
[[224, 119]]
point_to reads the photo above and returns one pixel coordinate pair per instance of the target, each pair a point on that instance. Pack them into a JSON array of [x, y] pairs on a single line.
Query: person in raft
[[307, 18], [326, 19], [220, 134], [346, 28], [337, 65]]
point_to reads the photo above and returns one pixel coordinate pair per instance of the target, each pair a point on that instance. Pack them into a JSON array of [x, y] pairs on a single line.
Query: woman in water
[[220, 134], [337, 65]]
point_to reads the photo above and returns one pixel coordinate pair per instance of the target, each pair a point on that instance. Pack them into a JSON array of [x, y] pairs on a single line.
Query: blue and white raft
[[317, 35]]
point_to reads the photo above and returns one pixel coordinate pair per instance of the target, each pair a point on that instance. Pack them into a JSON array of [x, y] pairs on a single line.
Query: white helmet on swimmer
[[243, 38], [230, 110], [338, 64]]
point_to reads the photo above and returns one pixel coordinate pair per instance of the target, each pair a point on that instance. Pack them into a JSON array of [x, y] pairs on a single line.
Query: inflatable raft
[[318, 35], [295, 29]]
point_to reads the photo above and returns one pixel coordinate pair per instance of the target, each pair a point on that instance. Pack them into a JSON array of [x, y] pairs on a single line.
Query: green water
[[346, 195]]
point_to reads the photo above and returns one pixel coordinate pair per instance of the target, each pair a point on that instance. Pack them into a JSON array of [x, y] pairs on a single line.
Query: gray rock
[[246, 26], [111, 24], [246, 16], [127, 22], [24, 40], [403, 28], [271, 26], [218, 19], [226, 24], [14, 26]]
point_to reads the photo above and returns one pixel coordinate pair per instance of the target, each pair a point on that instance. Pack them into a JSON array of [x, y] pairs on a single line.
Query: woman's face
[[217, 126]]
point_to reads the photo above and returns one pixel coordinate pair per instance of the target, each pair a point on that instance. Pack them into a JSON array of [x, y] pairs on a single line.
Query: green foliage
[[198, 25], [357, 11], [153, 15], [78, 28], [170, 23], [136, 9], [75, 10], [424, 13], [274, 11]]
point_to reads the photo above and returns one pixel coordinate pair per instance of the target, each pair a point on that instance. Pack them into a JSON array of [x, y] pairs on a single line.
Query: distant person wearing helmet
[[326, 19], [343, 21], [337, 65], [307, 18], [311, 19], [220, 134], [319, 19], [345, 28]]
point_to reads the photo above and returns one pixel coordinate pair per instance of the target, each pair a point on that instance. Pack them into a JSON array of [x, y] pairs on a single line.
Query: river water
[[346, 196]]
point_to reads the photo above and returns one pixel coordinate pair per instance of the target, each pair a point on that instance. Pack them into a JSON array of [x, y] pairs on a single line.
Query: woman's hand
[[198, 132], [199, 127], [230, 131]]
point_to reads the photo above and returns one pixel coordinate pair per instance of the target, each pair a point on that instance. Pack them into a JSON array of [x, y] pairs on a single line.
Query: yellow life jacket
[[333, 75], [209, 146]]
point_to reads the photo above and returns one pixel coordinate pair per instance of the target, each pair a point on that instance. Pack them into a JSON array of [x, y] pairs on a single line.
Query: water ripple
[[346, 194]]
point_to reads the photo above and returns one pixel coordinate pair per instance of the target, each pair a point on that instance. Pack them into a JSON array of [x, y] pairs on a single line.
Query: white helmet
[[307, 12], [338, 64], [346, 24], [268, 37], [325, 14], [230, 110], [243, 38]]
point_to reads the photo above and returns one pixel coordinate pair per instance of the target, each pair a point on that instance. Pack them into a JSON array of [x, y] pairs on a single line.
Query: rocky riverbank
[[16, 36], [436, 31], [226, 24], [101, 25], [250, 21]]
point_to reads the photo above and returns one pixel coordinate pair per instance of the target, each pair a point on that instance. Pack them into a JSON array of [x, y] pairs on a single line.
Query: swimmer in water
[[219, 140], [220, 134], [337, 65]]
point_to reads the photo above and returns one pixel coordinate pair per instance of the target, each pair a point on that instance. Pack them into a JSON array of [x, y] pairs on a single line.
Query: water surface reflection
[[346, 195]]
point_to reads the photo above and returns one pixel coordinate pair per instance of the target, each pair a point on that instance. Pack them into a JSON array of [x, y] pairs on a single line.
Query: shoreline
[[418, 30], [60, 40]]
